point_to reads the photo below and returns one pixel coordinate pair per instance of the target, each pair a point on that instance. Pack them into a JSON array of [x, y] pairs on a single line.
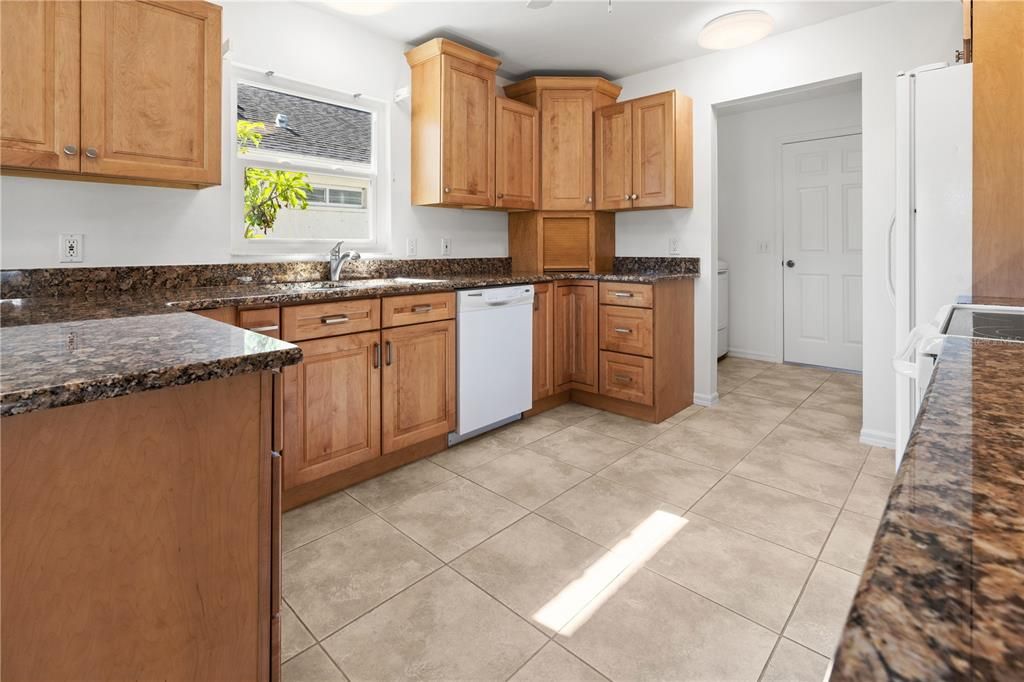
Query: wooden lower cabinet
[[627, 377], [332, 407], [543, 340], [575, 335], [418, 394]]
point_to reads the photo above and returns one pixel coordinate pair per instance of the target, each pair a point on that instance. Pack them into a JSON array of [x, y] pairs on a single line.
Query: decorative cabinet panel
[[543, 340], [453, 131], [576, 336], [561, 241], [122, 90], [613, 139], [517, 155]]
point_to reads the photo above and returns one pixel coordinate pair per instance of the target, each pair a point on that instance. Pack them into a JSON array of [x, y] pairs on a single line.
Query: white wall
[[125, 225], [876, 43], [749, 148]]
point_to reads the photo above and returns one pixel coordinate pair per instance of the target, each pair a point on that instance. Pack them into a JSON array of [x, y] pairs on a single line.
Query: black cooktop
[[986, 324]]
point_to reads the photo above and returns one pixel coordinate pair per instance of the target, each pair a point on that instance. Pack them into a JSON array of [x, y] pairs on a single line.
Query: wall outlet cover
[[410, 247], [71, 247], [446, 246], [673, 246]]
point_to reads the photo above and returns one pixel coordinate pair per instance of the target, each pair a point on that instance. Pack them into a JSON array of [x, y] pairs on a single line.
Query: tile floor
[[723, 544]]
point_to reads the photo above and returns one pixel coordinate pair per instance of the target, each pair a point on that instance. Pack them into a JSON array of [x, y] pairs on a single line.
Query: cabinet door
[[39, 56], [654, 149], [567, 150], [467, 165], [332, 407], [418, 383], [613, 156], [151, 74], [543, 341], [517, 155], [576, 336]]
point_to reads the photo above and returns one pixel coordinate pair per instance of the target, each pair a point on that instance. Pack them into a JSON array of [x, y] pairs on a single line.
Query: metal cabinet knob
[[70, 149], [790, 264], [91, 152], [447, 189], [626, 197], [500, 195], [590, 200], [633, 197]]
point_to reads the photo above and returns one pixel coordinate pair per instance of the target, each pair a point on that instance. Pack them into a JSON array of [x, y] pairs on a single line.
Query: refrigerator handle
[[890, 287]]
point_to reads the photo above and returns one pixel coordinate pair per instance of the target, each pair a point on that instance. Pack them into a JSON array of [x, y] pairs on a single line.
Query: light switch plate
[[410, 247], [71, 248], [446, 246]]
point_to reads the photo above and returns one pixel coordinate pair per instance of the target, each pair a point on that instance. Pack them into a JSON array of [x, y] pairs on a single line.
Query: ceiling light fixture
[[363, 9], [735, 29]]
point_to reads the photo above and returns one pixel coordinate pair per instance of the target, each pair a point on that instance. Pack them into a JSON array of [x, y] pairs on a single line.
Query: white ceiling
[[579, 36]]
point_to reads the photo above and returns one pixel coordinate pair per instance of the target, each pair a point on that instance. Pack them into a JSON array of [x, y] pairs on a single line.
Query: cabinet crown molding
[[439, 46], [525, 87]]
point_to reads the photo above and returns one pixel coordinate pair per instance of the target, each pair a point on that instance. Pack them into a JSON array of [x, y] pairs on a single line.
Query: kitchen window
[[308, 163]]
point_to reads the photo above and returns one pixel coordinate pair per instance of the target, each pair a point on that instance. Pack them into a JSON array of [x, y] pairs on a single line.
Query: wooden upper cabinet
[[654, 168], [151, 74], [517, 155], [453, 129], [576, 341], [39, 96], [613, 162]]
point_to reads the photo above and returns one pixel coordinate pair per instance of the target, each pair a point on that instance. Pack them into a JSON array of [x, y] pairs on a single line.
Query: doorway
[[821, 252]]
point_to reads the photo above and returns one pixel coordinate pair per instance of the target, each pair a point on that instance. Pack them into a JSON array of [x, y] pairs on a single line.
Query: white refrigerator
[[930, 236]]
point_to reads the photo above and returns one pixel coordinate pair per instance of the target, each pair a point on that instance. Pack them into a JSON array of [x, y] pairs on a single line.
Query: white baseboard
[[705, 399], [880, 439], [751, 355]]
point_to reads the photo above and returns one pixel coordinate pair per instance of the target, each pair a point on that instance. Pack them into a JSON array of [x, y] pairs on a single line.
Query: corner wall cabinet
[[120, 91]]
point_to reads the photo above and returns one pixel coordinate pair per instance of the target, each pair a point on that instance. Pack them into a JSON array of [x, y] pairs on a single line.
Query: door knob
[[790, 263]]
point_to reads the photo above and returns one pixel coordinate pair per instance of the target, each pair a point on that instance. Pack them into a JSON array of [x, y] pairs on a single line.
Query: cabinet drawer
[[266, 321], [625, 293], [318, 320], [415, 308], [627, 330], [627, 377]]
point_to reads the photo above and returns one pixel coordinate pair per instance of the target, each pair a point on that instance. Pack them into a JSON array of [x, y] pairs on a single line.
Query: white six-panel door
[[821, 261]]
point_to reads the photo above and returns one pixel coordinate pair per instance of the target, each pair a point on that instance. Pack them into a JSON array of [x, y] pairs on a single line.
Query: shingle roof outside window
[[327, 131]]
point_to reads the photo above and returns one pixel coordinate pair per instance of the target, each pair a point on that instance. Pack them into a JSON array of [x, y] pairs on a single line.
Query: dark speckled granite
[[942, 594]]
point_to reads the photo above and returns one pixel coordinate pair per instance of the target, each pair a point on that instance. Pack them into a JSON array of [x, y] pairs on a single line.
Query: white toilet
[[723, 308]]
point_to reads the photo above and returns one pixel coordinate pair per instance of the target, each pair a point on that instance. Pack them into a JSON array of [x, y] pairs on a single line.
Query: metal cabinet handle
[[623, 330], [376, 355], [268, 328], [623, 379], [387, 353], [590, 200], [91, 152], [338, 319], [70, 149], [622, 294], [634, 197], [426, 308]]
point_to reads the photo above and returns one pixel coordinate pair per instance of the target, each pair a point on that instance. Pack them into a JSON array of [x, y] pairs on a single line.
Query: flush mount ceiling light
[[363, 9], [735, 29]]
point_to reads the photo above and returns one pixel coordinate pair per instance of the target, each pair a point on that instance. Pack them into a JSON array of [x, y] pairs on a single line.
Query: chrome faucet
[[338, 259]]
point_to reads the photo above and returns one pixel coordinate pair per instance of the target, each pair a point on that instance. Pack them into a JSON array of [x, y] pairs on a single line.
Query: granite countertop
[[942, 594], [58, 350]]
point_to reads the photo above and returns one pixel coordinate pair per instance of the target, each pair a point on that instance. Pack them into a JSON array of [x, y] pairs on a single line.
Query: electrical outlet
[[764, 246], [410, 247], [71, 248], [446, 246], [673, 246]]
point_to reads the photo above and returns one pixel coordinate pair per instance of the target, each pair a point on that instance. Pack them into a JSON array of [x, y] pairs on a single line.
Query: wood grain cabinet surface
[[517, 155], [121, 90], [543, 340], [561, 241], [575, 335]]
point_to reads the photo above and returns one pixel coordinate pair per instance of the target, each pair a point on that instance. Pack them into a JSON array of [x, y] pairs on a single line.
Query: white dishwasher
[[495, 357]]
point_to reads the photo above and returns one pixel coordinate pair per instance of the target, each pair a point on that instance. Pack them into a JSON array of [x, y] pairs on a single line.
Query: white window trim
[[378, 193]]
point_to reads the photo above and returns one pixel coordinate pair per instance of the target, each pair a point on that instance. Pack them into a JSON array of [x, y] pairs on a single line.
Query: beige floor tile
[[527, 430], [472, 453], [555, 664], [684, 414], [624, 428], [839, 428], [526, 478], [333, 580], [793, 663], [850, 542], [821, 612], [313, 665], [778, 468], [452, 517], [570, 414], [881, 462], [443, 628], [869, 495], [728, 384], [780, 387], [637, 633], [847, 379], [398, 485], [741, 418], [701, 447], [667, 478], [793, 521], [837, 396], [603, 511], [541, 571], [751, 576], [295, 638], [319, 518], [742, 368], [588, 450], [846, 453]]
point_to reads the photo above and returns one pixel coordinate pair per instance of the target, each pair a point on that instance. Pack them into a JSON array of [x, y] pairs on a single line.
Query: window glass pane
[[346, 197], [318, 195], [298, 125], [320, 219]]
